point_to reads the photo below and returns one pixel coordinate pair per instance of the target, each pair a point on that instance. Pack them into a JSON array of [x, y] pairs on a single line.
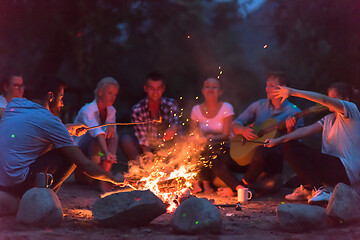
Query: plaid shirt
[[151, 134]]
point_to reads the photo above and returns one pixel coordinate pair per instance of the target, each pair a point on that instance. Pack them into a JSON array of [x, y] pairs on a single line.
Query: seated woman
[[100, 144], [11, 86], [339, 160], [213, 119]]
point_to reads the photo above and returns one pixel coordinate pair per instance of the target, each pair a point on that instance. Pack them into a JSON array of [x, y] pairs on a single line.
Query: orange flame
[[168, 173]]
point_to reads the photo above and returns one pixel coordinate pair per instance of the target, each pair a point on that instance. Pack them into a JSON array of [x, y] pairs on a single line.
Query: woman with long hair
[[212, 118]]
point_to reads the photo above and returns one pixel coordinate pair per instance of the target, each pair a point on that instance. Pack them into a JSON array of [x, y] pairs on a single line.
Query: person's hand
[[282, 92], [110, 131], [76, 129], [169, 134], [109, 157], [247, 132], [290, 124], [272, 142]]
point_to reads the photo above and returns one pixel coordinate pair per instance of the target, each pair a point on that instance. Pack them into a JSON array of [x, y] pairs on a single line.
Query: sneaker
[[299, 194], [321, 197]]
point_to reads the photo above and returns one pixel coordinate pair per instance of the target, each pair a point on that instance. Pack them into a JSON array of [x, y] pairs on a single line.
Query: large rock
[[197, 215], [300, 217], [40, 207], [8, 204], [344, 204], [136, 208]]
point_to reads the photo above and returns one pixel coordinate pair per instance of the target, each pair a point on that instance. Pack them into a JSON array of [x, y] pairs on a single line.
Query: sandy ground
[[256, 220]]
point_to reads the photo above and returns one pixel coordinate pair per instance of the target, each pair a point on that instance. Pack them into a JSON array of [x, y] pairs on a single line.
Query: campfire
[[168, 173]]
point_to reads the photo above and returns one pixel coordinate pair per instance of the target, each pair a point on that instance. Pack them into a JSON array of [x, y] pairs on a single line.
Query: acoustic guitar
[[242, 150]]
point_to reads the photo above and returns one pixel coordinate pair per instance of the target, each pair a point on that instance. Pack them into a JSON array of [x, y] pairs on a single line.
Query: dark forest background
[[314, 42]]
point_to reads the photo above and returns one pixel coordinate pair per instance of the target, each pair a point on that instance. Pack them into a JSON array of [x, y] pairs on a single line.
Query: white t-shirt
[[341, 138], [27, 130], [3, 102], [90, 116], [215, 124]]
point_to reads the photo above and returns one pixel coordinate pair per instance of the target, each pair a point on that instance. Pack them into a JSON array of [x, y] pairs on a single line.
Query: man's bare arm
[[297, 134], [89, 167], [334, 103]]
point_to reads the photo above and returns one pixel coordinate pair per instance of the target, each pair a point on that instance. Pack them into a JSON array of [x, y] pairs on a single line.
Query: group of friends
[[33, 138]]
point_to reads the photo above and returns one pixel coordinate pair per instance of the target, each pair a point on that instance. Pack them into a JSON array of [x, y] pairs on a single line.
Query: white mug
[[244, 194]]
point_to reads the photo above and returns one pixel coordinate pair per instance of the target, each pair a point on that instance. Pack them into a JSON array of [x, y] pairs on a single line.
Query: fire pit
[[168, 173]]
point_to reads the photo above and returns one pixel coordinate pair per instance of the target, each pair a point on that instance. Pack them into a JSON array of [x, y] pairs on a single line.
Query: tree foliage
[[83, 41], [320, 41]]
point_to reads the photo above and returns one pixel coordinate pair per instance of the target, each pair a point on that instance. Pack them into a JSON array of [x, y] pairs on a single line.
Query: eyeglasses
[[18, 86]]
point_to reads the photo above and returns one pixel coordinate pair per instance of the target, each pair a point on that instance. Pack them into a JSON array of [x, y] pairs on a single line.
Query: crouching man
[[33, 139]]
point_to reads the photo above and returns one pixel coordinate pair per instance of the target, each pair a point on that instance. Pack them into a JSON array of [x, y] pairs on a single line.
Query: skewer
[[127, 185], [242, 140], [245, 141], [125, 124]]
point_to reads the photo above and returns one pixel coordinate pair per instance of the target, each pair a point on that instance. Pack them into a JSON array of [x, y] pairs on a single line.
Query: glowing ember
[[79, 213]]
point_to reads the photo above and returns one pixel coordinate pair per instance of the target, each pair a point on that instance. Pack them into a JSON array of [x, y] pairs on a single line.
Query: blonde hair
[[103, 83]]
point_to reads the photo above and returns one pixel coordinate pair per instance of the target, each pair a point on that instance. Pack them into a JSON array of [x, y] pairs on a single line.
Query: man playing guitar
[[266, 161]]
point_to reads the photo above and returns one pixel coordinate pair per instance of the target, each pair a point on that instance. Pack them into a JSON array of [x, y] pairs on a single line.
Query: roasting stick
[[245, 141], [119, 124], [126, 184], [125, 124], [242, 140]]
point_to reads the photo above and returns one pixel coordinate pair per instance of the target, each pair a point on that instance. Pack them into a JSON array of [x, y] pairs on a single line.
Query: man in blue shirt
[[33, 140], [264, 161]]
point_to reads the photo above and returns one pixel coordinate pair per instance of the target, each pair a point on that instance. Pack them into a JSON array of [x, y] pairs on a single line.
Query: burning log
[[172, 183], [168, 173], [162, 185]]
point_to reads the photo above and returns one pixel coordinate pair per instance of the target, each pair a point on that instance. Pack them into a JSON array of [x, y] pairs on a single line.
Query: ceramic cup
[[244, 195]]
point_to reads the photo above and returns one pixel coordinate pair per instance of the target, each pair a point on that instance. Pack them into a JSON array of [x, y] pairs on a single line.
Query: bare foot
[[207, 188], [226, 192], [196, 187]]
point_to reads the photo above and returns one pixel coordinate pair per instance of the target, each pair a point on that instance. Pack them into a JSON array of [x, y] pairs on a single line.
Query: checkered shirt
[[151, 134]]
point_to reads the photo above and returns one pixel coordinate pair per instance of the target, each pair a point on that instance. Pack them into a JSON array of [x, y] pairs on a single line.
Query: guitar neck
[[282, 124]]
